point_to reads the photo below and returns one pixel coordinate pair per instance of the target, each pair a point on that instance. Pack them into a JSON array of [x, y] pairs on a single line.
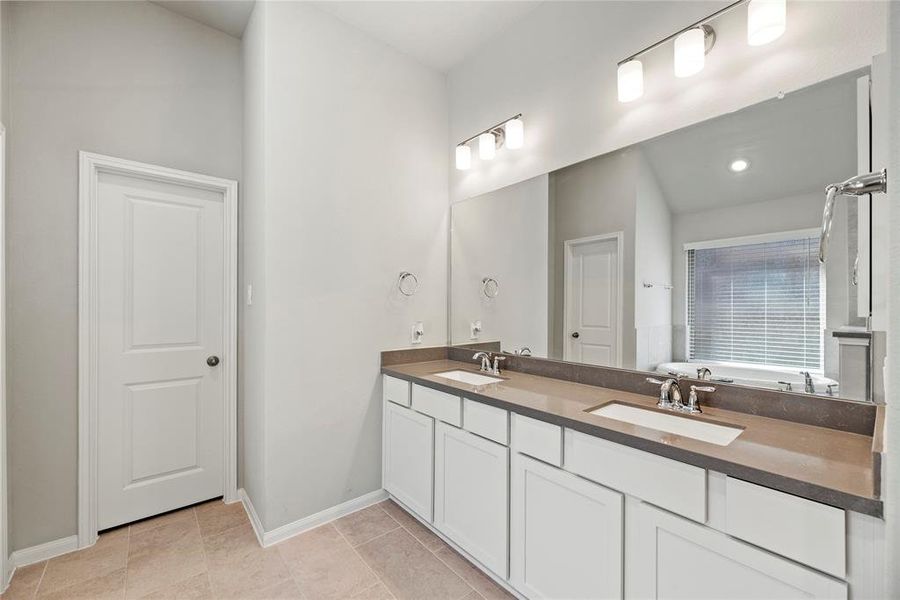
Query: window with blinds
[[757, 303]]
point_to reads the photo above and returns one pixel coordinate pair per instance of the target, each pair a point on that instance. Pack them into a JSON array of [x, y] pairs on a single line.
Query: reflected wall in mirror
[[696, 249]]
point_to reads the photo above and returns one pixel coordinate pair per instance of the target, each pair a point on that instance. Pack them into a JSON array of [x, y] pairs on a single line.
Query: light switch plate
[[249, 295], [474, 329]]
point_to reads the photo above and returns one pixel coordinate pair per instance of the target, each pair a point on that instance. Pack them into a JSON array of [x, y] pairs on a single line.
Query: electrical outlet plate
[[417, 332]]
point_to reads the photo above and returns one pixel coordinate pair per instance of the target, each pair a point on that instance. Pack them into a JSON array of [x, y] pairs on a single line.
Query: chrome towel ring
[[490, 287], [407, 283]]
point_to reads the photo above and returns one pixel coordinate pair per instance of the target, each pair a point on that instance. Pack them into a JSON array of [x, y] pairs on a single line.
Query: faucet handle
[[497, 359], [693, 405], [664, 387]]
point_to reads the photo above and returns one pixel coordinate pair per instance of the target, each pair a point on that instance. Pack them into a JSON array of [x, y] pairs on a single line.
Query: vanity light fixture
[[509, 132], [739, 165], [631, 80], [766, 21], [690, 50], [487, 146], [515, 133]]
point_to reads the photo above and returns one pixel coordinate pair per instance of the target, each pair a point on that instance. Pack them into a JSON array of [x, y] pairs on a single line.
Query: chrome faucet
[[704, 374], [670, 397], [485, 361], [669, 393], [808, 385]]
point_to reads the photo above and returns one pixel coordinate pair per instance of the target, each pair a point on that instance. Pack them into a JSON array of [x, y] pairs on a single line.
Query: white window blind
[[757, 303]]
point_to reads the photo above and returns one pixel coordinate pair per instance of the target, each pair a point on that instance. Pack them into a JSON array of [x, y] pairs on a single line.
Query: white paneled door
[[593, 301], [160, 297]]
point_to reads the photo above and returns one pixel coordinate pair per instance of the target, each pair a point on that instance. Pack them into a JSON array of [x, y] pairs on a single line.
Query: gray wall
[[128, 79], [347, 147], [503, 235], [594, 197], [252, 332], [652, 264]]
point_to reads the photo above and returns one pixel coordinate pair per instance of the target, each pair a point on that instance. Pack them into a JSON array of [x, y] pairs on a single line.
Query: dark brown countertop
[[826, 465]]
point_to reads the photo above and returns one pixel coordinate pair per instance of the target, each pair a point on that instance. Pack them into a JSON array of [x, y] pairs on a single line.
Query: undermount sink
[[468, 377], [721, 435]]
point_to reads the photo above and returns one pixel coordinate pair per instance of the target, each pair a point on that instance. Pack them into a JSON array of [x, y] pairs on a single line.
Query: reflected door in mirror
[[593, 304]]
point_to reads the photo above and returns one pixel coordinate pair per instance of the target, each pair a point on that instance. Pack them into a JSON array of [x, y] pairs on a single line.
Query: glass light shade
[[631, 80], [463, 157], [690, 52], [766, 21], [487, 146], [515, 134]]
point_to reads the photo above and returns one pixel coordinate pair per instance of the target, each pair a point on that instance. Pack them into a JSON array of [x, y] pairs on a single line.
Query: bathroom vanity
[[553, 500]]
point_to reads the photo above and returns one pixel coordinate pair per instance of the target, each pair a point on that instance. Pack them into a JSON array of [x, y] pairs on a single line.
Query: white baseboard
[[10, 570], [35, 554], [251, 513], [268, 538]]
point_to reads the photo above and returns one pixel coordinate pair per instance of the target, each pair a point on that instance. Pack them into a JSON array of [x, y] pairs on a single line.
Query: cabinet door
[[670, 557], [409, 458], [471, 499], [566, 534]]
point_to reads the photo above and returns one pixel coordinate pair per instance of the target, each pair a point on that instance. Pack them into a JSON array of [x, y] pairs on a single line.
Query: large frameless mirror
[[695, 252]]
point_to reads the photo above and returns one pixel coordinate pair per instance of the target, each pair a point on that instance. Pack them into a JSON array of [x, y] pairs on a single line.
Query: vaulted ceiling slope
[[230, 16], [438, 34]]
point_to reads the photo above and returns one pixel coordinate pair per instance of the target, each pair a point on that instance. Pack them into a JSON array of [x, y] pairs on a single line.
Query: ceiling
[[796, 145], [437, 34], [230, 16]]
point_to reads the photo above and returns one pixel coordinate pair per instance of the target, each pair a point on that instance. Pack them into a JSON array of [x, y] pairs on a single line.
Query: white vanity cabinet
[[557, 513], [471, 501], [566, 534], [408, 461], [667, 556]]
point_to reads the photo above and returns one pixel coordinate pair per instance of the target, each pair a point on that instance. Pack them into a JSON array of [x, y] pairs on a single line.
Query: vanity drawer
[[810, 533], [395, 390], [441, 406], [536, 438], [667, 483], [487, 421]]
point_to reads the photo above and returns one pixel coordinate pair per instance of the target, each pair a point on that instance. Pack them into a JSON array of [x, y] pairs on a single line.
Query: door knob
[[576, 335], [212, 361]]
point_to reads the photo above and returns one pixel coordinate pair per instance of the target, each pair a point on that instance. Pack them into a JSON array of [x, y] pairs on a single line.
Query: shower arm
[[870, 183]]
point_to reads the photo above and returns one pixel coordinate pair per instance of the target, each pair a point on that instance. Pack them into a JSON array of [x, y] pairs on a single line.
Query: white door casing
[[593, 299], [158, 295]]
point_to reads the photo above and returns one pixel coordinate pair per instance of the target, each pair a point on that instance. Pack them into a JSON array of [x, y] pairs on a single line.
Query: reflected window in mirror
[[757, 302]]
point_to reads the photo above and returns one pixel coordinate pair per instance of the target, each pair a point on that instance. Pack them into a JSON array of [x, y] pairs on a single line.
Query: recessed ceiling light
[[739, 165]]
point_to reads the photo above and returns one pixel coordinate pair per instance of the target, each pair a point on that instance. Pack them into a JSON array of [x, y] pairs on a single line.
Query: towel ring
[[407, 283], [490, 287]]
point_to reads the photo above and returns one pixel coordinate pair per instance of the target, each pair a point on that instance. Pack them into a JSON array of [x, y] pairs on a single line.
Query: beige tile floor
[[210, 551]]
